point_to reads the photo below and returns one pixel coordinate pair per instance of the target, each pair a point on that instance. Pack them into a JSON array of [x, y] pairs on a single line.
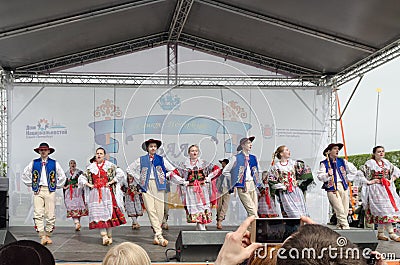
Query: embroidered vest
[[238, 172], [72, 179], [340, 167], [50, 174], [159, 170]]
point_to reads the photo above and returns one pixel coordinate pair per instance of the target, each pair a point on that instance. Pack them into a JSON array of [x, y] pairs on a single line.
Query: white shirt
[[93, 168], [134, 169], [232, 162], [351, 172]]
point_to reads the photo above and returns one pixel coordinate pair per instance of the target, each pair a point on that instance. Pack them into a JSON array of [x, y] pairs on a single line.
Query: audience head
[[322, 241], [18, 252], [127, 253]]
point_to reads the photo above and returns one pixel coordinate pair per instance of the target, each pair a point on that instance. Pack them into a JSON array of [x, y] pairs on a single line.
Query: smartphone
[[273, 230]]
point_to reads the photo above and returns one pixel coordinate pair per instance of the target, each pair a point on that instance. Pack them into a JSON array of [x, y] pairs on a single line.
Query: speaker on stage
[[199, 246], [5, 236], [3, 202], [363, 238]]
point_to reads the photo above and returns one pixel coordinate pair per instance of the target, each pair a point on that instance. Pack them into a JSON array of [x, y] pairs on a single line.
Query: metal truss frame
[[181, 14], [333, 116], [244, 56], [74, 79], [373, 61], [172, 60], [5, 81], [80, 17], [97, 54]]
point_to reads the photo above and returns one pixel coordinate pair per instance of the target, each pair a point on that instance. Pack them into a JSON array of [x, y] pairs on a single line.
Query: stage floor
[[85, 246]]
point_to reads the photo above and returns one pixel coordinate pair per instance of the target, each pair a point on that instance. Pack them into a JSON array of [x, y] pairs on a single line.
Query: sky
[[358, 119]]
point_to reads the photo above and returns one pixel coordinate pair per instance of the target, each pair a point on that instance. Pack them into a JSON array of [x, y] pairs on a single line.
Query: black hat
[[44, 146], [330, 146], [226, 161], [150, 141], [243, 140], [18, 252]]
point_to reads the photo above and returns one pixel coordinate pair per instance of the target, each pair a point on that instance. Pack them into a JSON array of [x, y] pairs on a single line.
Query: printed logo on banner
[[169, 102], [45, 129], [268, 131]]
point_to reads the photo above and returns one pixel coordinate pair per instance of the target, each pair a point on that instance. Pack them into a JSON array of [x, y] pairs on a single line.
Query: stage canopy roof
[[296, 38]]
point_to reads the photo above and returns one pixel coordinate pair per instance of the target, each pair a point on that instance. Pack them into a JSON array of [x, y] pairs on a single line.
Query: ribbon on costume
[[199, 192]]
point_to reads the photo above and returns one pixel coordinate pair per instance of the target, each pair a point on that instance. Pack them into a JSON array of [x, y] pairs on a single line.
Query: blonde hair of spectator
[[127, 253]]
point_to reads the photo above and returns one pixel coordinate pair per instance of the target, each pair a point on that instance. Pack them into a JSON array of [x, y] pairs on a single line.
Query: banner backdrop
[[77, 120]]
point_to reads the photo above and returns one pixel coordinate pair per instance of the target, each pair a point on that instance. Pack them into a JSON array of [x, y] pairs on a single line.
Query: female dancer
[[381, 202], [283, 177], [266, 201], [133, 200], [101, 177], [196, 175], [73, 195]]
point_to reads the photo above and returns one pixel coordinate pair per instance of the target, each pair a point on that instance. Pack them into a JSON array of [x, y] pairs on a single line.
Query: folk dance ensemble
[[150, 172], [196, 175], [101, 178], [336, 173], [44, 175], [242, 170], [74, 196], [284, 177], [381, 201]]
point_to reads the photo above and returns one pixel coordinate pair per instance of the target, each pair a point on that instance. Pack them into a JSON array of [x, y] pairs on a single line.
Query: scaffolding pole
[[5, 86]]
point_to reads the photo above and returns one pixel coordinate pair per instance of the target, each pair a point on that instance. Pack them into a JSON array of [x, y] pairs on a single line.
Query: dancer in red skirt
[[101, 177]]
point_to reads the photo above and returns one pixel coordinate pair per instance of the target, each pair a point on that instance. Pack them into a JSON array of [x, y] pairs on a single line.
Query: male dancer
[[223, 186], [44, 175], [150, 172], [242, 170], [336, 172]]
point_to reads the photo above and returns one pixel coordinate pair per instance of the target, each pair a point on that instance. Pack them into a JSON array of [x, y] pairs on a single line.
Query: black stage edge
[[85, 245], [5, 236]]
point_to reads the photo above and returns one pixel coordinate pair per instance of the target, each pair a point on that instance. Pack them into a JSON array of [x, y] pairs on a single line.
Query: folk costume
[[242, 170], [267, 205], [336, 185], [133, 200], [103, 201], [223, 186], [196, 176], [74, 197], [44, 176], [284, 178], [150, 172], [381, 202]]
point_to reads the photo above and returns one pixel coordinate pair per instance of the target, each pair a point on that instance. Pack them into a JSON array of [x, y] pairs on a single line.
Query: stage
[[85, 245], [70, 247]]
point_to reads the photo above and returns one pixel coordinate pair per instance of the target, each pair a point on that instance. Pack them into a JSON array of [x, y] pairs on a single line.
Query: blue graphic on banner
[[164, 124]]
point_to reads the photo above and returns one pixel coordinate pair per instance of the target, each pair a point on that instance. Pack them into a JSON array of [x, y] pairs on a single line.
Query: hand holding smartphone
[[273, 230]]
